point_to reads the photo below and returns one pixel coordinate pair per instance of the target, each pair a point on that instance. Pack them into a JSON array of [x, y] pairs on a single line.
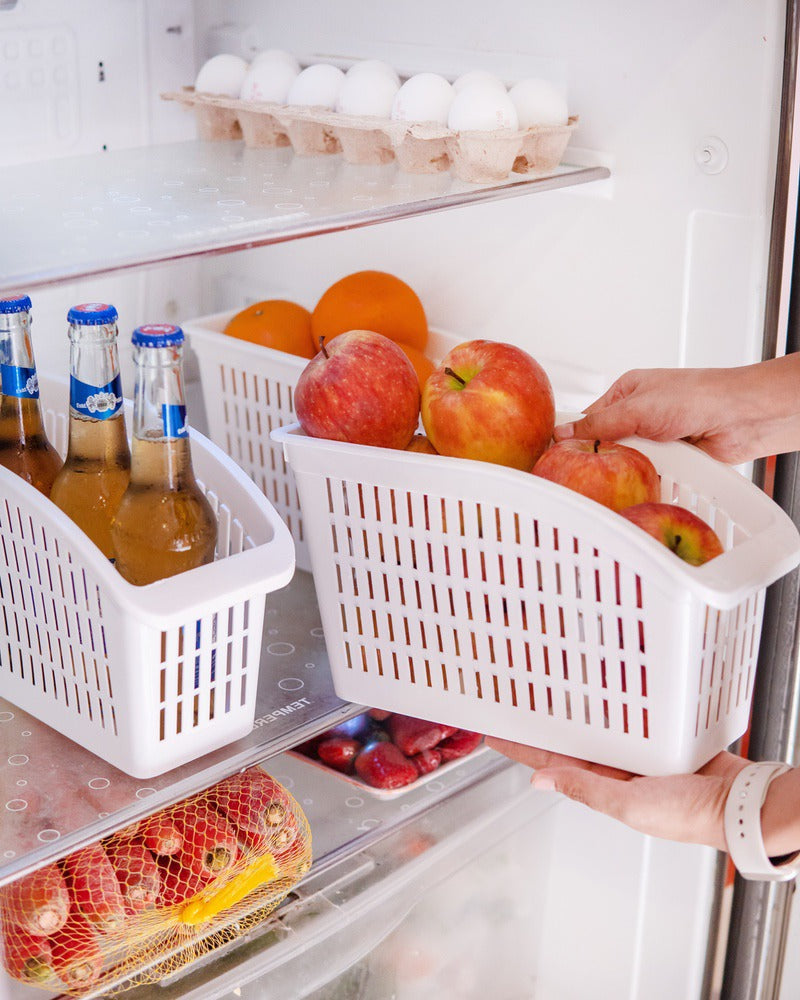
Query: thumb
[[610, 423]]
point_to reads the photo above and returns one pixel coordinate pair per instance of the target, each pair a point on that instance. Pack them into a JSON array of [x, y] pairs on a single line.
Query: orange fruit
[[371, 300], [277, 323], [423, 365]]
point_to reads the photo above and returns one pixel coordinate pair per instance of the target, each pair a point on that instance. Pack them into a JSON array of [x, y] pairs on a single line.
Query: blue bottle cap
[[157, 335], [15, 304], [92, 314]]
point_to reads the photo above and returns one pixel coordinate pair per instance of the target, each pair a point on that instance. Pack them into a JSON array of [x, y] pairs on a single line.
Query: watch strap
[[743, 823]]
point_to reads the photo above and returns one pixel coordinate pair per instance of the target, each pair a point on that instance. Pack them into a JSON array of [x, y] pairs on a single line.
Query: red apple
[[489, 401], [682, 531], [610, 473], [360, 388]]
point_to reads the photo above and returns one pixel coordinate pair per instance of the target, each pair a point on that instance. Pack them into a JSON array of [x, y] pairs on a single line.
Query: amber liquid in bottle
[[24, 445], [96, 471], [164, 525]]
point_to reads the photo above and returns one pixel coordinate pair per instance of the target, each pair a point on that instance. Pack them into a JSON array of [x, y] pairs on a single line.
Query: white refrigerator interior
[[484, 887]]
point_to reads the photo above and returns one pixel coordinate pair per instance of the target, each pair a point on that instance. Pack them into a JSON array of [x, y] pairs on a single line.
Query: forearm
[[767, 405], [780, 815]]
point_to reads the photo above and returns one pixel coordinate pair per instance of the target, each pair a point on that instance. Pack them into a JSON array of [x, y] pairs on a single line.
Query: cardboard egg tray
[[417, 147]]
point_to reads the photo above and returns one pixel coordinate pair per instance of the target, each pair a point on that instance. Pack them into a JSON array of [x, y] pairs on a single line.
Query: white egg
[[480, 76], [370, 92], [316, 86], [222, 74], [278, 55], [479, 108], [424, 97], [371, 65], [268, 80], [538, 102]]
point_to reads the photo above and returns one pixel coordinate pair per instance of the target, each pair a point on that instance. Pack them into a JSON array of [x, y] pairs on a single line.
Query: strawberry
[[413, 736], [426, 761], [137, 874], [37, 903], [27, 958], [209, 846], [159, 834], [338, 752], [448, 731], [378, 714], [177, 883], [462, 742], [383, 765], [77, 960], [94, 888]]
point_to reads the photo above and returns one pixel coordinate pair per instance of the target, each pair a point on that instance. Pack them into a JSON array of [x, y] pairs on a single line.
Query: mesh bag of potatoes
[[141, 904]]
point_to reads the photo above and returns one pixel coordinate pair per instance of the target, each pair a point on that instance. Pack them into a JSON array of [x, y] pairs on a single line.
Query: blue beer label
[[20, 382], [97, 401], [173, 417]]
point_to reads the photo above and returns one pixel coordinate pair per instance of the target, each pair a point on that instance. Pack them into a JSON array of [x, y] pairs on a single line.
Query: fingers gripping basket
[[146, 677], [486, 598]]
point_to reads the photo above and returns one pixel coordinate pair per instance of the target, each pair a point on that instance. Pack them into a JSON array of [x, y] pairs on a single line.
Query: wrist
[[754, 855]]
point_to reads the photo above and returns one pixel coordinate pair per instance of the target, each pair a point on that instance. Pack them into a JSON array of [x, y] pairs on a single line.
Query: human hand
[[734, 414], [684, 807]]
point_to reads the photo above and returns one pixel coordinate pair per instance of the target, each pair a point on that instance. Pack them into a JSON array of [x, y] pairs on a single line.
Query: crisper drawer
[[373, 859]]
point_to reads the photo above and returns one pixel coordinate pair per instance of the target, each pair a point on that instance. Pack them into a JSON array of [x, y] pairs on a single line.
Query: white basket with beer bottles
[[150, 677]]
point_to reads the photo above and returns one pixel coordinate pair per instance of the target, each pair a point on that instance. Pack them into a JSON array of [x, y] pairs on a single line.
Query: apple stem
[[676, 542], [322, 347], [452, 374], [596, 447]]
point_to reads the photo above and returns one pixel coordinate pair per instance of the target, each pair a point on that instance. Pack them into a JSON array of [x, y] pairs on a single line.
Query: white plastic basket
[[489, 599], [248, 391], [150, 677]]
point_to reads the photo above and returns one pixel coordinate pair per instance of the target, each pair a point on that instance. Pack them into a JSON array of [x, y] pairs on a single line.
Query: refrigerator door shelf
[[180, 200]]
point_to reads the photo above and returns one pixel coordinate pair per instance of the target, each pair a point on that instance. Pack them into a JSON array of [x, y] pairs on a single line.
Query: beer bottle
[[97, 468], [164, 525], [24, 447]]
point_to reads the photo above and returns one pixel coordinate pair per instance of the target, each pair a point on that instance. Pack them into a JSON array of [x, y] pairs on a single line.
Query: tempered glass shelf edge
[[79, 217]]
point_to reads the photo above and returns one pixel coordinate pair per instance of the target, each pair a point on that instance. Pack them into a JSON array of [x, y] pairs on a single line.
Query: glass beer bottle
[[24, 447], [97, 468], [164, 525]]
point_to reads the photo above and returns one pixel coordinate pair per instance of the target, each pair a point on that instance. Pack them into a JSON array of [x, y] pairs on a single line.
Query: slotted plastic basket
[[150, 677], [489, 599], [248, 391]]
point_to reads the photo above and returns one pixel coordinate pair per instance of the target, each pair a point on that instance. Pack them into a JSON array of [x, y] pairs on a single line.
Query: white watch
[[743, 824]]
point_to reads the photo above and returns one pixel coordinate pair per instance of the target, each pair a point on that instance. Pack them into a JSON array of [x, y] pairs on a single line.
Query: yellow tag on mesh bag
[[149, 900]]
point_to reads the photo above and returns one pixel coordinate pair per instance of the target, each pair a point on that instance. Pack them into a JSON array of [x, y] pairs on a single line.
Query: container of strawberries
[[142, 903], [387, 754]]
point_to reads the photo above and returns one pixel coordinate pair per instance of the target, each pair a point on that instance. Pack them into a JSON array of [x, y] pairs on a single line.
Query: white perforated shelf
[[88, 215]]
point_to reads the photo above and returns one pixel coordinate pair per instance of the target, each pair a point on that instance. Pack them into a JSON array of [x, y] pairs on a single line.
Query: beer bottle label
[[20, 382], [99, 402], [173, 417]]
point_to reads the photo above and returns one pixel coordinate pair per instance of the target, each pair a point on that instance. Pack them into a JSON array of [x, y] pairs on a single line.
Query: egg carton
[[417, 147]]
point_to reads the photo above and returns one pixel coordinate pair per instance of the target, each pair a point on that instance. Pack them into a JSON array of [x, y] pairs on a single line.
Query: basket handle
[[761, 560]]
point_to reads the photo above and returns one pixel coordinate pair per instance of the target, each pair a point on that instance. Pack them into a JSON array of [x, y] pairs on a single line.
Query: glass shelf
[[88, 215], [56, 796]]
